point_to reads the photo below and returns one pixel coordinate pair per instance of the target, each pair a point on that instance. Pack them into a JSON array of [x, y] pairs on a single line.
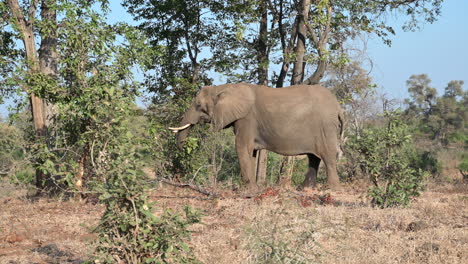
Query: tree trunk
[[320, 41], [26, 28], [263, 63], [299, 34], [261, 168], [299, 64], [263, 53], [287, 52], [48, 53]]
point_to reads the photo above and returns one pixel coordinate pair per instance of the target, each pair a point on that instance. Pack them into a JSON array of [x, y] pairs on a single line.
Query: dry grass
[[44, 230], [277, 227]]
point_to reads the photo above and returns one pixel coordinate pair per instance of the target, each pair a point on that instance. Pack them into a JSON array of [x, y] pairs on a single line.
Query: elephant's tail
[[342, 139], [342, 124]]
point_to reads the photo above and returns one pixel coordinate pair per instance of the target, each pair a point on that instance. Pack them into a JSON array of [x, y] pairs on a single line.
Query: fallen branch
[[182, 197], [190, 186]]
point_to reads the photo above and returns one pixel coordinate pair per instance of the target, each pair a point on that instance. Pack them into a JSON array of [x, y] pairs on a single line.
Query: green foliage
[[273, 167], [92, 94], [13, 155], [463, 166], [170, 162], [441, 118], [93, 133], [385, 154], [10, 147], [426, 161], [24, 176], [129, 231], [458, 137]]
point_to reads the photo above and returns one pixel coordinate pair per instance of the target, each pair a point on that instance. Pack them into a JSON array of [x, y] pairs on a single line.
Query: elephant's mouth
[[205, 120]]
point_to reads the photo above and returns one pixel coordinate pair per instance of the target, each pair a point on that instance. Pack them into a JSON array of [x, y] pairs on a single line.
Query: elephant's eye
[[201, 108]]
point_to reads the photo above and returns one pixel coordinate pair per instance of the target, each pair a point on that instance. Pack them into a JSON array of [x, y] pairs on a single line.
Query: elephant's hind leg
[[311, 176], [333, 180]]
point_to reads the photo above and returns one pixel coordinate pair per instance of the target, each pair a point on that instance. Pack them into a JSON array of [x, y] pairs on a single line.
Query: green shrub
[[463, 167], [13, 160], [386, 155], [25, 176], [458, 137], [426, 161], [129, 232]]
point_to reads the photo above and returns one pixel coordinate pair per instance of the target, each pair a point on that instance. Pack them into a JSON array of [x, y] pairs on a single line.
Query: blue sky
[[439, 50]]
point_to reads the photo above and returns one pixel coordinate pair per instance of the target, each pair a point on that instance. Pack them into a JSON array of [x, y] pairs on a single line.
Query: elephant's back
[[310, 97], [296, 119], [309, 92]]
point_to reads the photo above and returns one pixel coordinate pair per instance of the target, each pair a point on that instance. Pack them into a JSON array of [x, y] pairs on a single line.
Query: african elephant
[[300, 119]]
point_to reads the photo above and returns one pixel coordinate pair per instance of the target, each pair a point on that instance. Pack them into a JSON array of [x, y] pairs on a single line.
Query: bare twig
[[190, 186]]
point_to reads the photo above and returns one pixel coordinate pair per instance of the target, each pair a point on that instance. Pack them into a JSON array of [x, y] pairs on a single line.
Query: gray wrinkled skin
[[295, 120]]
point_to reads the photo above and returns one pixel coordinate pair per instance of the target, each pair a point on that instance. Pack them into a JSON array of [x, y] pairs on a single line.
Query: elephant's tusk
[[176, 129]]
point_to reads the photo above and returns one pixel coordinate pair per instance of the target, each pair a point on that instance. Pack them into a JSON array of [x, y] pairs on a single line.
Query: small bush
[[463, 167], [25, 176], [281, 240], [426, 161], [386, 155], [129, 232], [458, 137]]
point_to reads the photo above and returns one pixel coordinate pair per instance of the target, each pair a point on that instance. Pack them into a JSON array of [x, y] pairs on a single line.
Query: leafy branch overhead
[[200, 37]]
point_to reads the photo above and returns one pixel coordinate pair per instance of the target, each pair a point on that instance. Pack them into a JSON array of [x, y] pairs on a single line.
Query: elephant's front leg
[[245, 153]]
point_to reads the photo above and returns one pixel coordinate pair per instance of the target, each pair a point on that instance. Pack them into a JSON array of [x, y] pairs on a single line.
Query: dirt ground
[[277, 226]]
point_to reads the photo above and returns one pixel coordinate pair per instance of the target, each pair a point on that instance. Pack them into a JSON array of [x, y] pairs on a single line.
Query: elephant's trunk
[[181, 136], [190, 118]]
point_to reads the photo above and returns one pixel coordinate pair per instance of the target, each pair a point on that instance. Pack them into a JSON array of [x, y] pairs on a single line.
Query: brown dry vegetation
[[279, 226]]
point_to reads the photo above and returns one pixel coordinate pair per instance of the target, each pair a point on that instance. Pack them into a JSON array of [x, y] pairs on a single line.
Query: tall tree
[[423, 94], [436, 116], [182, 29], [355, 90], [262, 69], [69, 61], [26, 21]]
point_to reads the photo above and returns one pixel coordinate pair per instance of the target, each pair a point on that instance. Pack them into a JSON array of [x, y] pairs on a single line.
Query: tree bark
[[298, 36], [320, 41], [48, 54], [261, 168], [42, 61], [299, 64], [262, 69], [26, 27], [262, 55], [287, 51]]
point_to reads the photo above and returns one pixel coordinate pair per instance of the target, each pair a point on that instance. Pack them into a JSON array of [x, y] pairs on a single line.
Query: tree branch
[[32, 12], [287, 54], [190, 186], [320, 44]]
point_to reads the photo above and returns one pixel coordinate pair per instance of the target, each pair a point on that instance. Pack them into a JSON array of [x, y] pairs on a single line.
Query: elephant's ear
[[231, 104]]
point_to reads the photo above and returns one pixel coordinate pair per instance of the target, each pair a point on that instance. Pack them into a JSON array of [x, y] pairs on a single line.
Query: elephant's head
[[220, 105]]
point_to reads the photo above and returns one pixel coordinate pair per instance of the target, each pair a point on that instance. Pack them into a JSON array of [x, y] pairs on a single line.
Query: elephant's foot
[[251, 190], [307, 183], [335, 186], [304, 185]]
